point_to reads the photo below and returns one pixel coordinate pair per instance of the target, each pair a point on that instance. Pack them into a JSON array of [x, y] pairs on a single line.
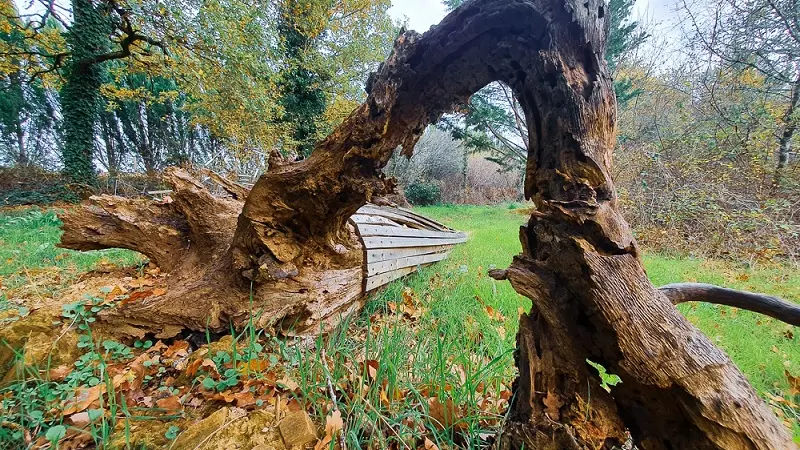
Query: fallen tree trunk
[[580, 264]]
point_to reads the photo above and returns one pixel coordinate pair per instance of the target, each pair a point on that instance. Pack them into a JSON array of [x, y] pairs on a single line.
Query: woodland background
[[101, 96]]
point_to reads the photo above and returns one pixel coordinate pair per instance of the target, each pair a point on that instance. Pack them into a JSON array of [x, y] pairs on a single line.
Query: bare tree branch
[[768, 305]]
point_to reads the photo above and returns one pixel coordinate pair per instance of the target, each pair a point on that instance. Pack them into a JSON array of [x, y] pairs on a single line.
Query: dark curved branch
[[768, 305]]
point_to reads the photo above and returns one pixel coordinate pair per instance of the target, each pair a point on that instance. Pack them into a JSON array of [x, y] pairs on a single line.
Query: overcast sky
[[422, 14]]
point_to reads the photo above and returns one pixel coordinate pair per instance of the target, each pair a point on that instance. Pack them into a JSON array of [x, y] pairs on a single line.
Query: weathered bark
[[580, 264]]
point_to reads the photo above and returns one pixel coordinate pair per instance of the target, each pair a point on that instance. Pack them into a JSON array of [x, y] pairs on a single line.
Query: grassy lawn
[[431, 355]]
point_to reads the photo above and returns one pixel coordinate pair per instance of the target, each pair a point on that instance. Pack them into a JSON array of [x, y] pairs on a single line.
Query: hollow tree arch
[[580, 264]]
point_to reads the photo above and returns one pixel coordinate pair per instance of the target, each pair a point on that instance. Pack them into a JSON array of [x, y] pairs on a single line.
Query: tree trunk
[[785, 142], [580, 264], [80, 96]]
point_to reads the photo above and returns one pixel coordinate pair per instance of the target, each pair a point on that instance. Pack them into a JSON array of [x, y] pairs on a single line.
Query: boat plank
[[376, 230], [392, 242], [388, 254], [380, 267]]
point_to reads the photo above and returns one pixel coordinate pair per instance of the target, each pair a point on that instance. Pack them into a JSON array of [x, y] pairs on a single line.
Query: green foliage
[[493, 123], [422, 194], [172, 432], [302, 98], [624, 36], [55, 433], [80, 97], [607, 380]]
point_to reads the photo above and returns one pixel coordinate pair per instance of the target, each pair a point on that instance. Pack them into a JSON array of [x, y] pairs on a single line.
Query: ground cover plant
[[428, 362]]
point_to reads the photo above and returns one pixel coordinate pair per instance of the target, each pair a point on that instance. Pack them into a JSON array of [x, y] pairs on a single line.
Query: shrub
[[421, 194]]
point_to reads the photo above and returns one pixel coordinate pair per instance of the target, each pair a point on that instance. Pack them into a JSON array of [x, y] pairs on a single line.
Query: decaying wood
[[580, 264], [761, 303]]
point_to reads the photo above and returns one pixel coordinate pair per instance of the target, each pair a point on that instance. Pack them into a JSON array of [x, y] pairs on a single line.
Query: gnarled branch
[[768, 305]]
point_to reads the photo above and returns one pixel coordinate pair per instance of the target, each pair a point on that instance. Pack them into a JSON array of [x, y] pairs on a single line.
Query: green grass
[[435, 347], [30, 260], [762, 347], [27, 242]]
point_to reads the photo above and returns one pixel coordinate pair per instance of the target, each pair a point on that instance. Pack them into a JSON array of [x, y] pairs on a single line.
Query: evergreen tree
[[624, 36]]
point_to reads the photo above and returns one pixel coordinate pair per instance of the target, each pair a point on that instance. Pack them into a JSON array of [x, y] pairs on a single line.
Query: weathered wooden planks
[[375, 268], [397, 241], [384, 254], [393, 242], [386, 278], [376, 230]]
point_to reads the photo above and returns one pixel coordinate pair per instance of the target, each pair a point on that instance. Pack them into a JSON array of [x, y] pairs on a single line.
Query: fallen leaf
[[178, 349], [254, 365], [171, 403], [83, 399], [80, 419], [445, 415], [775, 398], [140, 282], [191, 369], [115, 292], [135, 297], [430, 445], [59, 373], [244, 399], [333, 424], [288, 383], [371, 367], [794, 383], [158, 292], [552, 403]]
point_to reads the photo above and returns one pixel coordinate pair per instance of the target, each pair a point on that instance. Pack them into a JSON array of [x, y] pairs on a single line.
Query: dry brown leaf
[[254, 365], [794, 383], [83, 399], [371, 366], [208, 364], [553, 403], [80, 419], [115, 292], [775, 398], [171, 403], [288, 383], [430, 445], [244, 399], [140, 282], [135, 297], [59, 373], [191, 369], [333, 424], [178, 349], [445, 415]]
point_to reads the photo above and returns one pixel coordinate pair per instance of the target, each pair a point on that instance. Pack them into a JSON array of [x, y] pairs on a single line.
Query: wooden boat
[[397, 241]]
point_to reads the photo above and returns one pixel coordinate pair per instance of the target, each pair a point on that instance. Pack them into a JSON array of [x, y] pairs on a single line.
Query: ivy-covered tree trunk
[[287, 254], [80, 97], [302, 97]]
